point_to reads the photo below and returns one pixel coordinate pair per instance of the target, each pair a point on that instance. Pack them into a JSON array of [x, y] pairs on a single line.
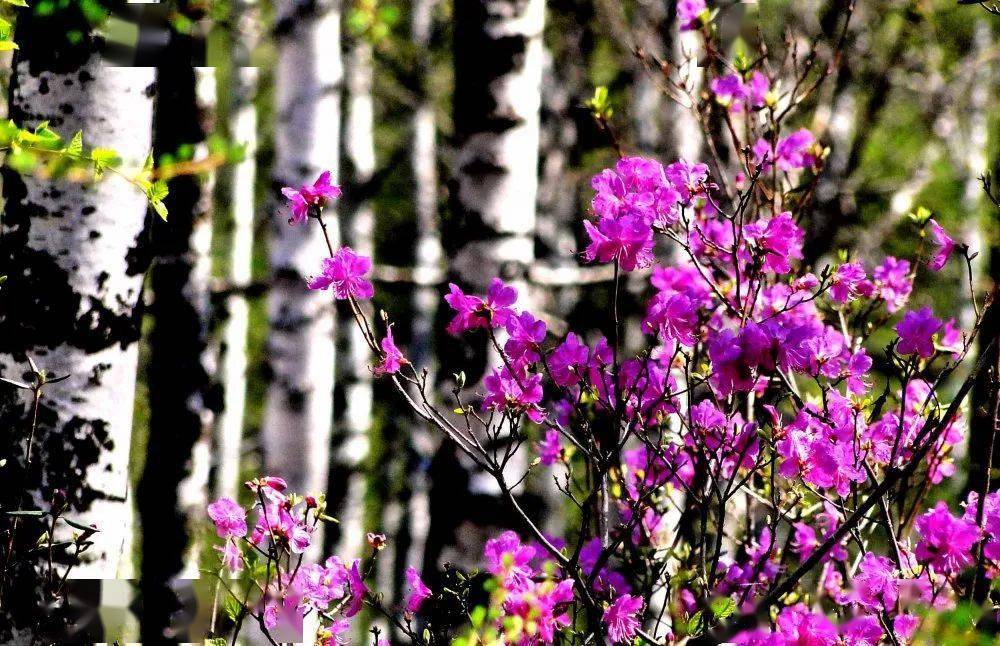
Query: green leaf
[[75, 147], [33, 513], [158, 191], [722, 607], [215, 641], [232, 608], [7, 45], [160, 208], [17, 3], [694, 623], [76, 525]]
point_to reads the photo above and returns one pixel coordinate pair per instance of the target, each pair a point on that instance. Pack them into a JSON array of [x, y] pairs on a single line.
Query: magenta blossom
[[568, 361], [846, 282], [418, 590], [876, 583], [473, 312], [356, 583], [739, 95], [232, 558], [230, 519], [945, 245], [628, 240], [893, 282], [791, 153], [916, 332], [392, 358], [514, 393], [946, 541], [780, 239], [549, 449], [345, 272], [622, 618], [318, 194], [688, 13], [526, 336], [508, 559]]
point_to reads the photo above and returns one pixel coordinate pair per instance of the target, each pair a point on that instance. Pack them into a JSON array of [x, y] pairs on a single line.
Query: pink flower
[[515, 394], [230, 519], [231, 556], [270, 616], [473, 312], [791, 153], [568, 361], [893, 282], [673, 316], [945, 245], [780, 239], [392, 358], [345, 272], [951, 339], [846, 280], [418, 590], [526, 336], [316, 195], [946, 542], [688, 12], [508, 559], [356, 583], [916, 332], [621, 618], [549, 449], [800, 626], [323, 584], [628, 240], [876, 583], [277, 522], [732, 91]]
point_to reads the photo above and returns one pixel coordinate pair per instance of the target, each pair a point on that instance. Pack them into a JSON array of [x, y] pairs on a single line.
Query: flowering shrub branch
[[747, 465]]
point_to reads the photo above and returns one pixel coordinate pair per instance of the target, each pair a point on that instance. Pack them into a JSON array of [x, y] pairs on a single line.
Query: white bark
[[429, 257], [353, 443], [299, 408], [242, 130], [78, 265], [229, 433]]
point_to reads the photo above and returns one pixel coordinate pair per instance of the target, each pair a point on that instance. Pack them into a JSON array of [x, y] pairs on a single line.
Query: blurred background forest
[[243, 372]]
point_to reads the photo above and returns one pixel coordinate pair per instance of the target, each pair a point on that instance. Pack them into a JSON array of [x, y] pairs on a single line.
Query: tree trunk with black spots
[[298, 416], [242, 126], [498, 58], [423, 441], [173, 490], [74, 259]]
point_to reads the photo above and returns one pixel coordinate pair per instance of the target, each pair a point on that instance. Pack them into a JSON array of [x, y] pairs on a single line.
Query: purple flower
[[526, 336], [392, 358], [628, 240], [323, 584], [876, 583], [945, 245], [892, 279], [549, 449], [945, 541], [673, 316], [316, 195], [473, 312], [345, 273], [799, 625], [232, 558], [791, 153], [418, 590], [515, 394], [356, 582], [916, 332], [230, 519], [688, 12], [621, 618], [568, 361], [846, 280], [270, 616], [780, 239], [508, 559], [738, 95]]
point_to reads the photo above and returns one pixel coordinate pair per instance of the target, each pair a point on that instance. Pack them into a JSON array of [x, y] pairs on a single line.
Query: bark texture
[[74, 260], [299, 408], [173, 489]]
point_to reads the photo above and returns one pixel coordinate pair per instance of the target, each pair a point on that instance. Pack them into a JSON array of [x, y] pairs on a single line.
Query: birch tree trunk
[[242, 122], [299, 408], [351, 440], [498, 58], [173, 489], [429, 256], [74, 261]]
